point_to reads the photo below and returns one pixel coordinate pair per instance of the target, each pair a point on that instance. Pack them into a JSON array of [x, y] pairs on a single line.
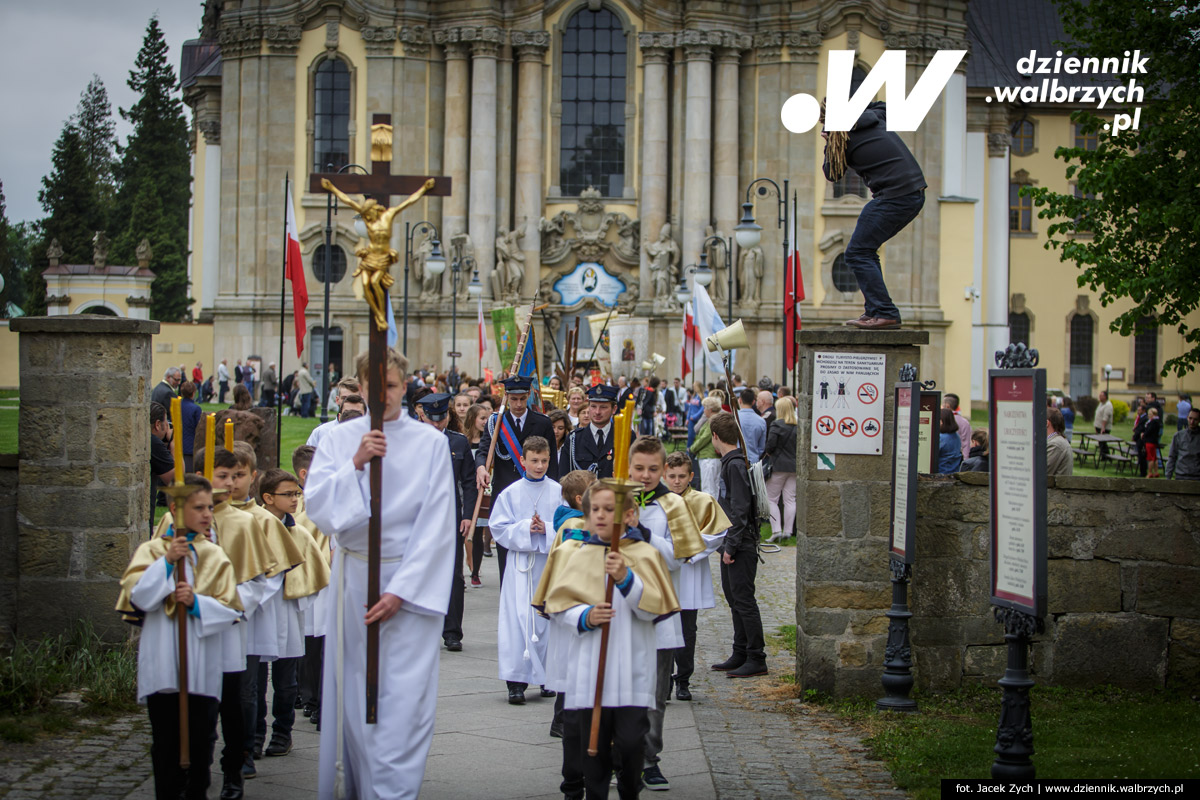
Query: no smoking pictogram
[[871, 426], [848, 426], [868, 393], [825, 425]]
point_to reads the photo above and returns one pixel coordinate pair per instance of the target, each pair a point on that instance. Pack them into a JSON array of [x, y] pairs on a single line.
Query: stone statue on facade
[[628, 300], [664, 268], [430, 285], [590, 224], [750, 274], [144, 253], [510, 266], [54, 252], [463, 250], [719, 287], [100, 245]]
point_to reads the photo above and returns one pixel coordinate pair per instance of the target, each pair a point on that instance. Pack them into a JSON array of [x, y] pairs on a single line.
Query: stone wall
[[8, 545], [1123, 589], [83, 501]]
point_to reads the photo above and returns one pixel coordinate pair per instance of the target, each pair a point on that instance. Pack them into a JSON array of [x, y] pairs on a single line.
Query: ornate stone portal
[[590, 223]]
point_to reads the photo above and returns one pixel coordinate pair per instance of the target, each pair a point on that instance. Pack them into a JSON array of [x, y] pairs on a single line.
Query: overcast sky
[[50, 51]]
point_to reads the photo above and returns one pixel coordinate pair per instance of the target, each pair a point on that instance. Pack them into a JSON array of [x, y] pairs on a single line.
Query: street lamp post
[[748, 233], [1107, 373], [410, 233], [330, 210]]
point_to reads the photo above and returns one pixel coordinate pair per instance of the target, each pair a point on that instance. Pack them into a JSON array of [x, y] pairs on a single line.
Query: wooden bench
[[1119, 460]]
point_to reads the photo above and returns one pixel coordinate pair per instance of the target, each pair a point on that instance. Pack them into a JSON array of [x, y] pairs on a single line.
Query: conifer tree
[[8, 272], [155, 179], [98, 131]]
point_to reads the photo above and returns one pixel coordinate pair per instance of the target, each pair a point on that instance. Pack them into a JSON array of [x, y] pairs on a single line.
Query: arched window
[[99, 309], [337, 264], [331, 115], [843, 276], [1022, 138], [1082, 327], [1145, 353], [592, 145], [1018, 328]]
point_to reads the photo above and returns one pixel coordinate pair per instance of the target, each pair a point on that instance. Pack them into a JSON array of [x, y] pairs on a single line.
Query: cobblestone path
[[104, 760], [760, 747]]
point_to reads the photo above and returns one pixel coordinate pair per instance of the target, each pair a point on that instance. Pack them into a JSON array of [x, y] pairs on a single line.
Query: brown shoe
[[874, 323], [855, 322]]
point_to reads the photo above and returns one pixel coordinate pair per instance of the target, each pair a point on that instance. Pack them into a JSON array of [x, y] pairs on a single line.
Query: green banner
[[504, 323]]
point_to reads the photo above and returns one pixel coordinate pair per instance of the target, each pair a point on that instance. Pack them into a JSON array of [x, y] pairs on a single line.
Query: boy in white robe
[[386, 760], [152, 594], [573, 594], [695, 576], [521, 520]]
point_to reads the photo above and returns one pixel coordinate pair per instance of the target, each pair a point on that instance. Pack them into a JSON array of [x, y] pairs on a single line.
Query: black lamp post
[[727, 247], [474, 288], [1107, 374], [749, 233], [410, 232], [330, 210]]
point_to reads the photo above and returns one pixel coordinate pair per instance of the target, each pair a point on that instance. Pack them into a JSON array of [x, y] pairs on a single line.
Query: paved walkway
[[733, 742]]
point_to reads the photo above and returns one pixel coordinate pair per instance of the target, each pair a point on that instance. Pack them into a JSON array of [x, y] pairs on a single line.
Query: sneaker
[[475, 582], [248, 768], [653, 779], [281, 745]]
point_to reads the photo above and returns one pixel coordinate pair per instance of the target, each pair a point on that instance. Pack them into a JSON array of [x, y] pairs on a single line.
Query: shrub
[[1086, 407], [34, 673], [1120, 411]]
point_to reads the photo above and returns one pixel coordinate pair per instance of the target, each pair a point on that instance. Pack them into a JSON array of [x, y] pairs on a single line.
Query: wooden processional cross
[[374, 271]]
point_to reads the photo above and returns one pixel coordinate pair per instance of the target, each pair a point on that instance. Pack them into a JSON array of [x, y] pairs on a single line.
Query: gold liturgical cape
[[301, 517], [684, 526], [286, 546], [241, 540], [575, 575], [214, 575], [313, 575], [706, 513]]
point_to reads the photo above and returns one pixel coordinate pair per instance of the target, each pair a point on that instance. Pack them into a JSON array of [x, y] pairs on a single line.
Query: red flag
[[482, 333], [691, 340], [294, 272], [793, 291]]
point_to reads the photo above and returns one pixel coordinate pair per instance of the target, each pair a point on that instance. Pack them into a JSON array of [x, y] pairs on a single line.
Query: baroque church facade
[[596, 148]]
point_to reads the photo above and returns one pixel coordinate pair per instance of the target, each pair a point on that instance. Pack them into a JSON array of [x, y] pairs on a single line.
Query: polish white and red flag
[[294, 271], [691, 341], [793, 291], [482, 331]]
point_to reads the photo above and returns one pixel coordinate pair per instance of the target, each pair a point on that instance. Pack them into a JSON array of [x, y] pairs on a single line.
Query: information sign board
[[847, 403], [1017, 428], [931, 401], [905, 455]]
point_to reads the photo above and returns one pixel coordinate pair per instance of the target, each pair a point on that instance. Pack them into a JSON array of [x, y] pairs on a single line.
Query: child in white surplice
[[521, 520]]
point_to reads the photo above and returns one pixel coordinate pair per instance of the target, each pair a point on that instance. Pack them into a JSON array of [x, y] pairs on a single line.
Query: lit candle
[[177, 425], [210, 443], [229, 435]]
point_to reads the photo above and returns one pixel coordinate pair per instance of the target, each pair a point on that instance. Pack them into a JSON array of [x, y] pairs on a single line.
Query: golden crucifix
[[377, 256]]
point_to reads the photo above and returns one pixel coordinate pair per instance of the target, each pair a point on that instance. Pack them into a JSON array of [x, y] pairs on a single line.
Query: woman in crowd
[[704, 451], [1141, 417], [1068, 412], [781, 449], [576, 402], [694, 410], [980, 458], [474, 424], [949, 446], [1151, 437], [462, 404], [562, 426]]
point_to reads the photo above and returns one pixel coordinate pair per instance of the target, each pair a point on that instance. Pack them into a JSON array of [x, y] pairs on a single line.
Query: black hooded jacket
[[880, 157]]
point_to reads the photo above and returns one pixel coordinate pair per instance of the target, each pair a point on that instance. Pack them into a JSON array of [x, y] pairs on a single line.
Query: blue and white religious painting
[[589, 280]]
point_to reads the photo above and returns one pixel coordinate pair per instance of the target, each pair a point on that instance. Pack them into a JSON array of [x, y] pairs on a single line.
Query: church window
[[592, 146], [1145, 352], [1087, 140], [331, 116], [851, 185], [1020, 210], [337, 264], [1022, 138], [1018, 328], [1081, 224], [1082, 329], [843, 276]]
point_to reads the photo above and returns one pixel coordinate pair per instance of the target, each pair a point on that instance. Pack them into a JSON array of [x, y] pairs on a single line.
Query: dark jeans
[[306, 404], [283, 703], [574, 751], [880, 220], [171, 782], [685, 657], [311, 668], [476, 550], [248, 698], [737, 581], [233, 723], [622, 738], [268, 398], [224, 387], [452, 625]]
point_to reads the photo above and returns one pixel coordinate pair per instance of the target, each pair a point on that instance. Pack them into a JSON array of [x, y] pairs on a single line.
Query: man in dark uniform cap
[[436, 408], [591, 447], [524, 423]]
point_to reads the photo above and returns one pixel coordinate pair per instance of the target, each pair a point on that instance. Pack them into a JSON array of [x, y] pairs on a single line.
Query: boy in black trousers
[[739, 553]]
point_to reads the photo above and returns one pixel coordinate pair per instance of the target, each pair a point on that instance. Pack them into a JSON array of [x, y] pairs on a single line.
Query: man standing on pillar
[[897, 195]]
